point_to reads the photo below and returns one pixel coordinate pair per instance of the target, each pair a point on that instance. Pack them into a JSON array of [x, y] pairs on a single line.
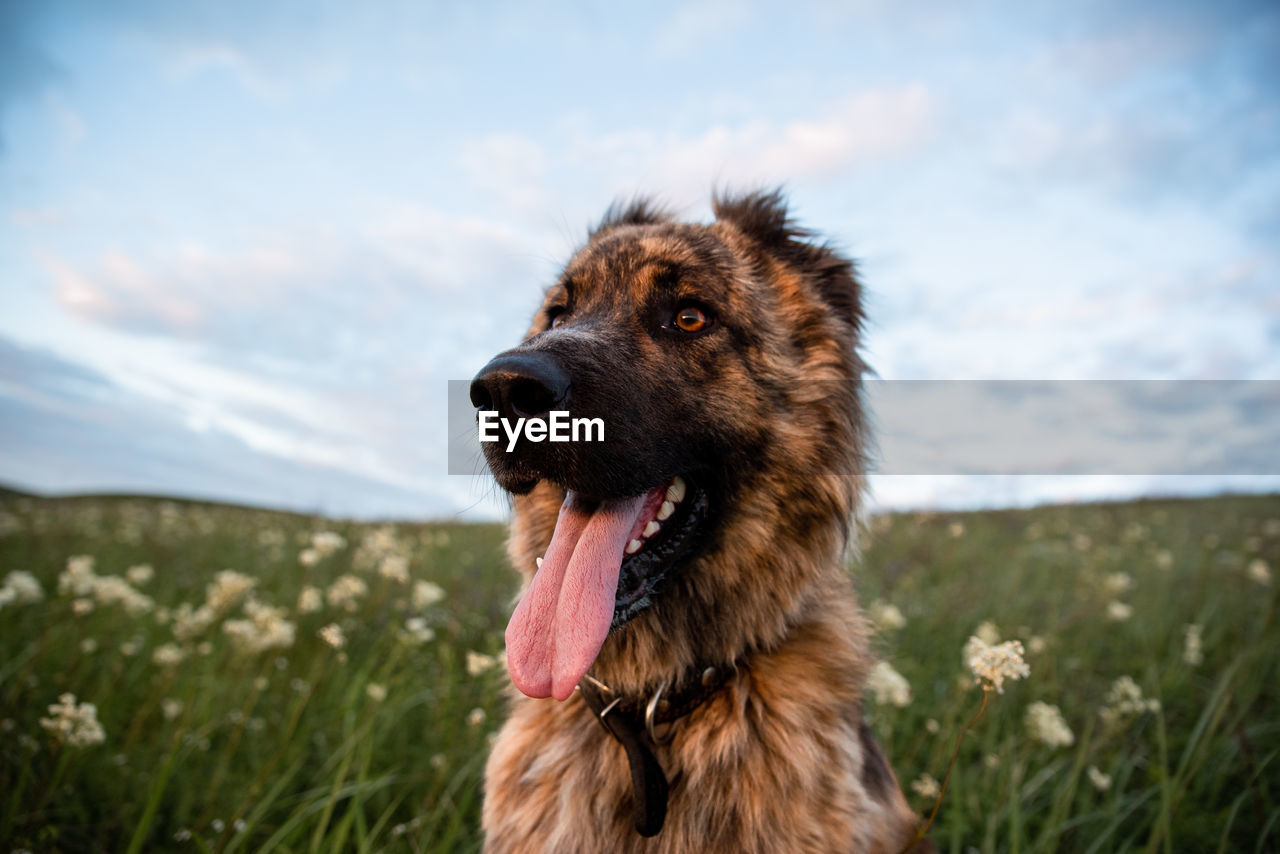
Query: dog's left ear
[[762, 216]]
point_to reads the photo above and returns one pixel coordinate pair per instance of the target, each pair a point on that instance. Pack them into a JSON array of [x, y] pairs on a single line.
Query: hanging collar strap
[[633, 722]]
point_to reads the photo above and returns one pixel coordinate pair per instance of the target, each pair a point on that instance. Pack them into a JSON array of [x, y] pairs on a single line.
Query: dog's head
[[719, 361]]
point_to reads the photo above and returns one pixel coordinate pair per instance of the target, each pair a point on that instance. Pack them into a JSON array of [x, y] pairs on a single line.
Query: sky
[[245, 246]]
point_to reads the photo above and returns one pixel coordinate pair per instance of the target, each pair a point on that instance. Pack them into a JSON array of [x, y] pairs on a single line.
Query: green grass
[[288, 750]]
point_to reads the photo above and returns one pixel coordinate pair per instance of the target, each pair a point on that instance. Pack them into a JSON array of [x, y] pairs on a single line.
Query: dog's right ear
[[638, 211]]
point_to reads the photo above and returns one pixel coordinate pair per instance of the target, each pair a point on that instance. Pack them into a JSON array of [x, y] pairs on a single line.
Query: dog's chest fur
[[775, 761]]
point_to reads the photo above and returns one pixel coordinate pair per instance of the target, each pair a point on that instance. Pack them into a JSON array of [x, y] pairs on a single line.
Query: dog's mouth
[[606, 561]]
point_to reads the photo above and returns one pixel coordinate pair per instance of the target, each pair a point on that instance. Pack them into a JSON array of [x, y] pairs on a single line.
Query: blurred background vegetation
[[337, 689]]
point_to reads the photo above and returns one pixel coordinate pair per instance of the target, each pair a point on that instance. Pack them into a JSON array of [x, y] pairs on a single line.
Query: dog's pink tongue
[[559, 626]]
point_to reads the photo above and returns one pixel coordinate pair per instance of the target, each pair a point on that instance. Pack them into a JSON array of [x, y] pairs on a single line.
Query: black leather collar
[[633, 722]]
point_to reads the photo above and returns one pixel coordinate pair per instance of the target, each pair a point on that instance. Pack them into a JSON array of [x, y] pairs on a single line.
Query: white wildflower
[[394, 568], [417, 631], [327, 542], [1259, 572], [308, 557], [266, 628], [476, 716], [346, 591], [886, 617], [80, 607], [190, 623], [932, 726], [168, 655], [1100, 781], [226, 589], [78, 578], [888, 685], [112, 589], [1164, 559], [1192, 644], [1125, 700], [426, 594], [925, 786], [956, 529], [1118, 612], [1046, 724], [1116, 583], [994, 664], [21, 587], [74, 724], [309, 600], [139, 574], [376, 692], [332, 635], [89, 646], [478, 662]]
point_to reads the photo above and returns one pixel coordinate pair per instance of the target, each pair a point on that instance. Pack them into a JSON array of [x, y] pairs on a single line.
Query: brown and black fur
[[765, 409]]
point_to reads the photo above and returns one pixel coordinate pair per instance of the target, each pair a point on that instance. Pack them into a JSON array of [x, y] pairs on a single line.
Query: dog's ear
[[638, 211], [762, 216]]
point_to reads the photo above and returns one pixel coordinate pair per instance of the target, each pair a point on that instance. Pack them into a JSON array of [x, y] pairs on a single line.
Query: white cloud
[[694, 24], [510, 167], [862, 129]]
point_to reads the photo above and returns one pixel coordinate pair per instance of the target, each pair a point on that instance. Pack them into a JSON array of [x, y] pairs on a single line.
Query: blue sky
[[243, 246]]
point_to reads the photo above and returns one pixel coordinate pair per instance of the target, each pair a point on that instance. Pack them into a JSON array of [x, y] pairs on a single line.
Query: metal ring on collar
[[649, 711]]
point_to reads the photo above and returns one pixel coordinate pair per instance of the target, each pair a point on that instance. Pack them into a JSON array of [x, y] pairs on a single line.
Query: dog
[[688, 649]]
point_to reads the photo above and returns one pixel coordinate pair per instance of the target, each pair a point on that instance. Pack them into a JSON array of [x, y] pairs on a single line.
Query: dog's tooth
[[537, 561], [675, 492], [633, 546], [651, 529], [665, 511]]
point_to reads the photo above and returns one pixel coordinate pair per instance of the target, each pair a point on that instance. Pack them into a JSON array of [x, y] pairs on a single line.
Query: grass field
[[336, 691]]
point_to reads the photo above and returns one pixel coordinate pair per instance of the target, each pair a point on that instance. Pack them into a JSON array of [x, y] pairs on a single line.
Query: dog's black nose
[[520, 385]]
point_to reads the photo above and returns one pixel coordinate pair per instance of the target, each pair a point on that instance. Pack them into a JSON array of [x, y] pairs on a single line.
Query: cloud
[[1153, 107], [868, 127], [692, 25], [65, 426], [510, 167], [312, 297], [326, 353]]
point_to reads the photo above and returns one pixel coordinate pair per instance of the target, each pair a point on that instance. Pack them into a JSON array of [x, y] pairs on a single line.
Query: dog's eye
[[690, 318], [556, 314]]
